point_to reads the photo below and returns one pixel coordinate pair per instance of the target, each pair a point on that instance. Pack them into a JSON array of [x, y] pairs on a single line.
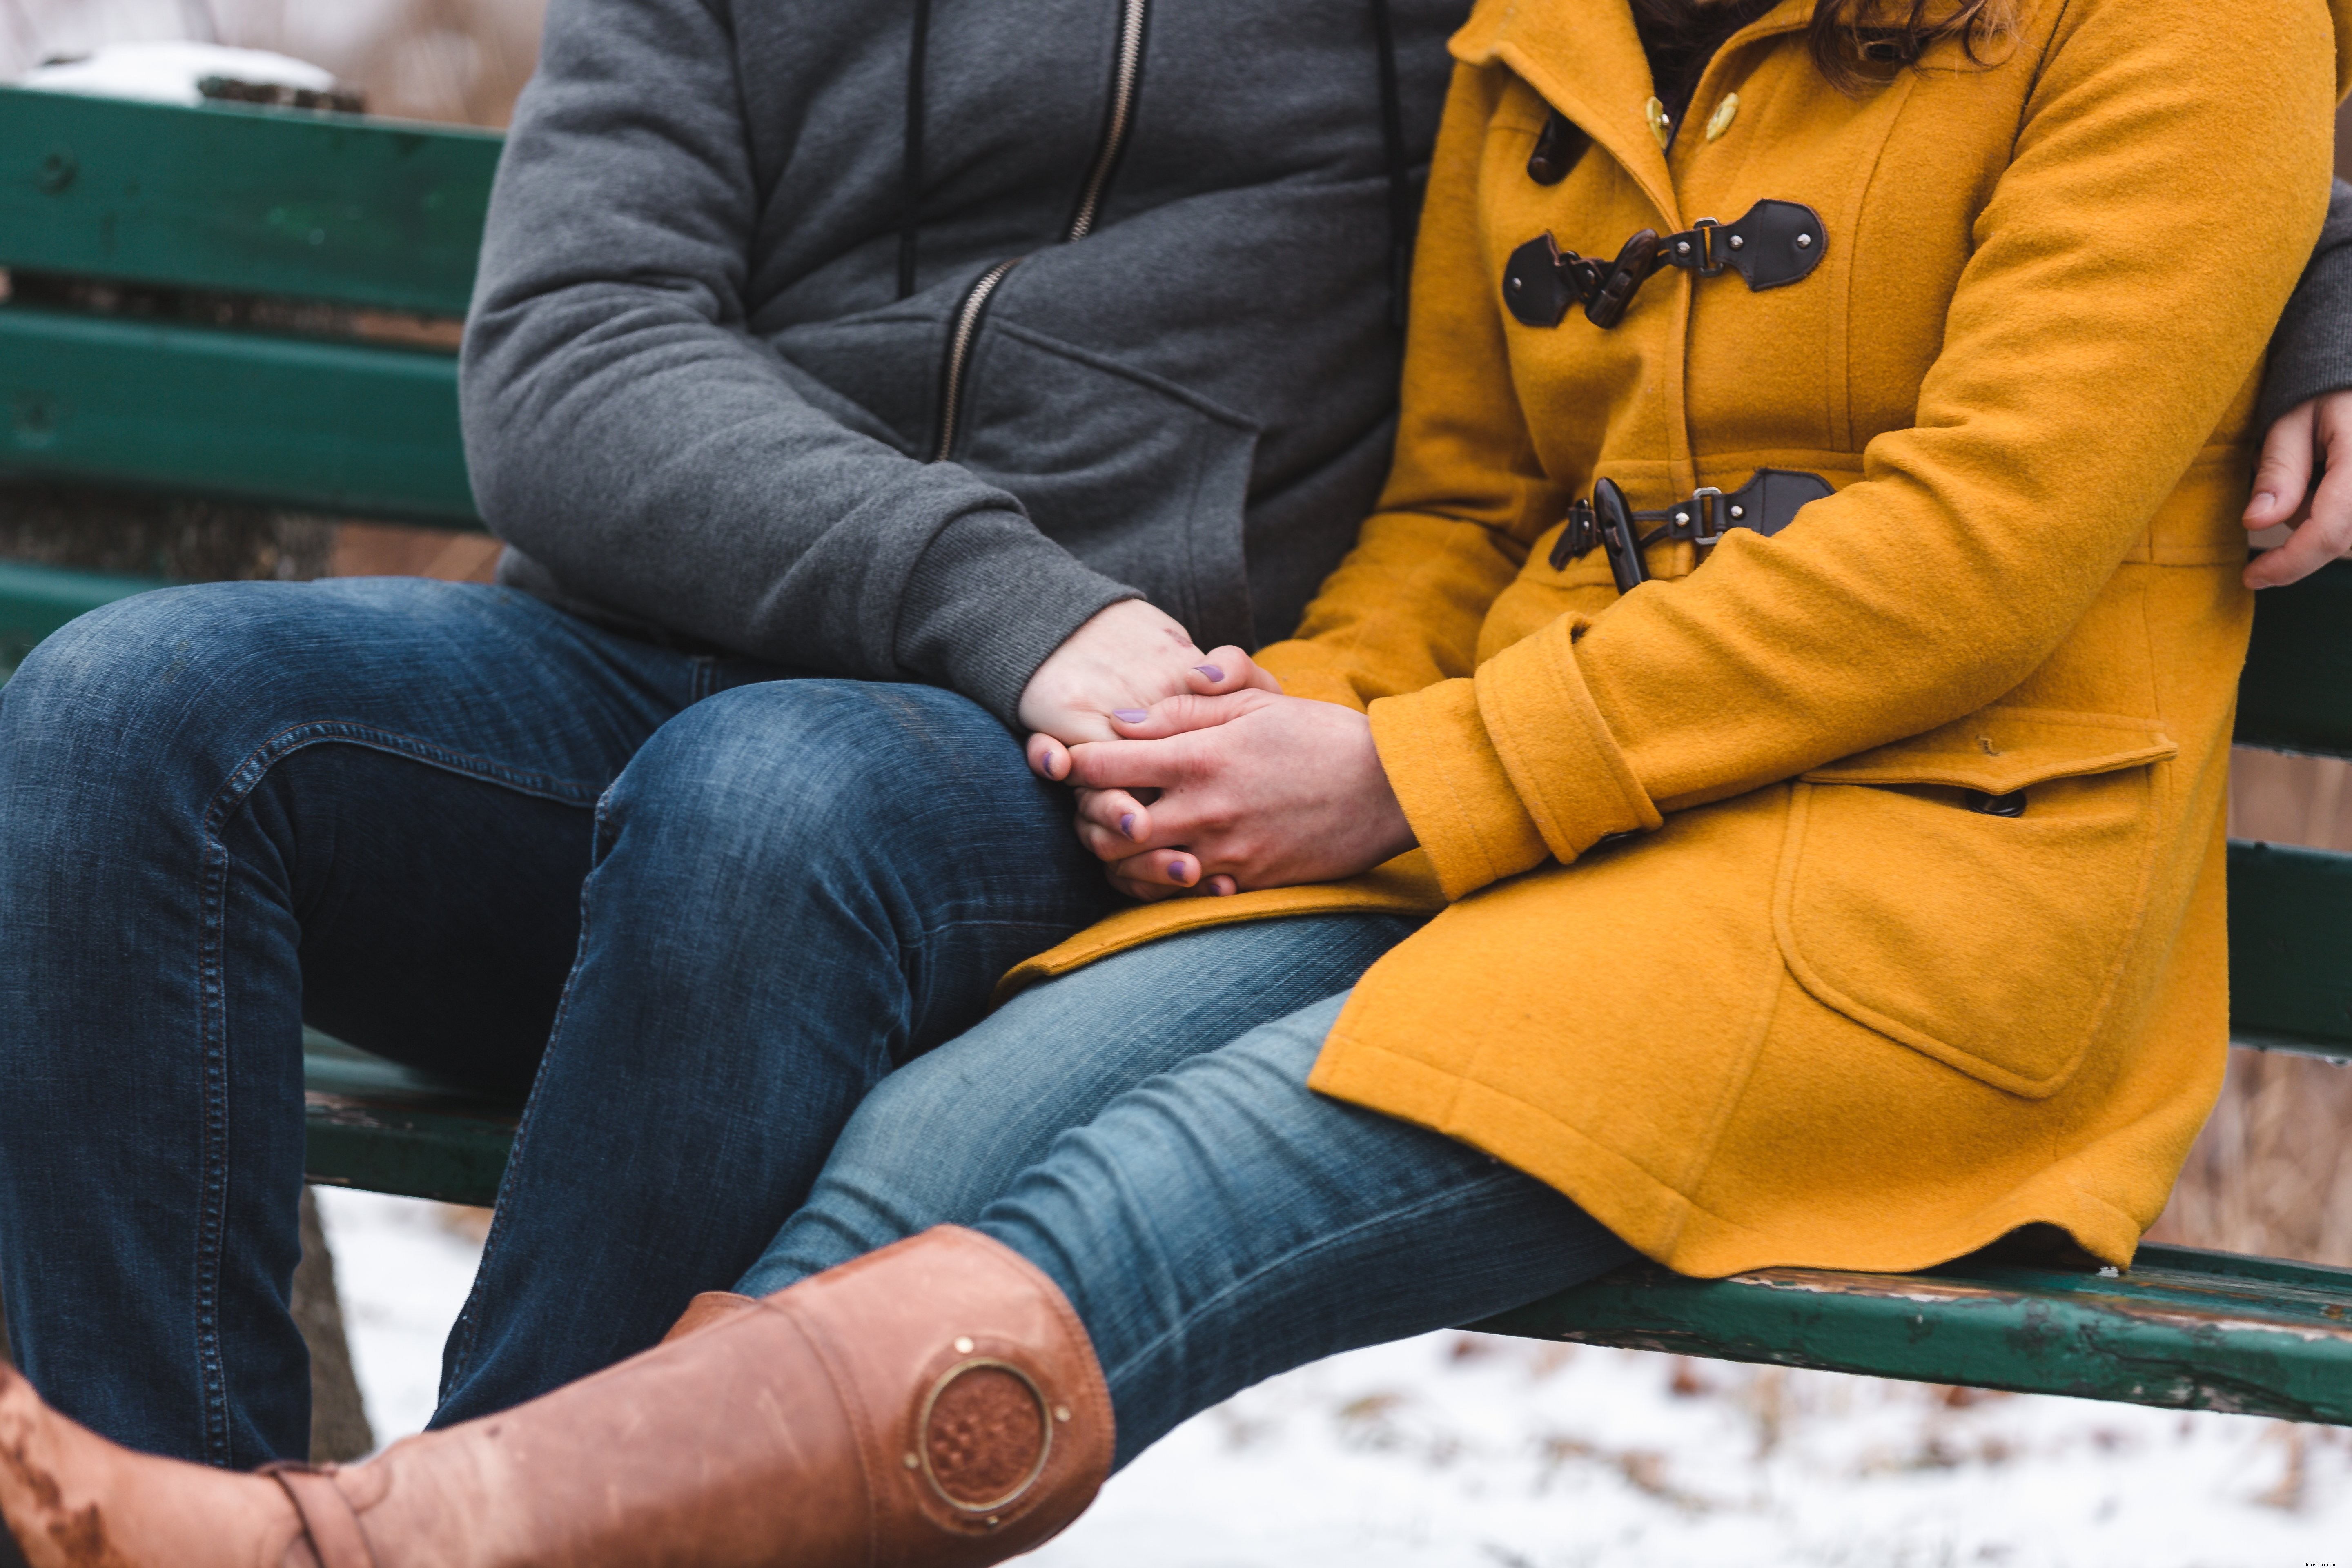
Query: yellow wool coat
[[1816, 1010]]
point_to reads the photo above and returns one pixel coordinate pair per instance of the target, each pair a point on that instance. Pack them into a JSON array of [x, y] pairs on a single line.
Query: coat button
[[1725, 114], [1661, 124]]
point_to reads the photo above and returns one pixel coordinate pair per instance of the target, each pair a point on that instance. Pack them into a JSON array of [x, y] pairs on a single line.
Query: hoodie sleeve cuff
[[2310, 350], [988, 600]]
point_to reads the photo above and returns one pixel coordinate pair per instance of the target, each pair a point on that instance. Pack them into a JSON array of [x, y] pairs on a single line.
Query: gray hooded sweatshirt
[[697, 396], [895, 339]]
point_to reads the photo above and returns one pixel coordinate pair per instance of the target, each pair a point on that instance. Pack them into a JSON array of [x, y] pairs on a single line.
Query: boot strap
[[328, 1518]]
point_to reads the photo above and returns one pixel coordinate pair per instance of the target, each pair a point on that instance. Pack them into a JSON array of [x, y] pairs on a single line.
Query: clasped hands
[[1216, 782]]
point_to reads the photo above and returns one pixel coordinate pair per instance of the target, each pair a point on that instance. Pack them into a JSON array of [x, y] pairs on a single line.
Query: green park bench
[[374, 217]]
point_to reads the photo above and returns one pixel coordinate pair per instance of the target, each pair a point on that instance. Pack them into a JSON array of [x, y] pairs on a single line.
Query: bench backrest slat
[[253, 200], [2296, 693]]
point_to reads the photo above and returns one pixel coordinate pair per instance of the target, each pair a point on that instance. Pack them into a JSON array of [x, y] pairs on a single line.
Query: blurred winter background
[[1455, 1449]]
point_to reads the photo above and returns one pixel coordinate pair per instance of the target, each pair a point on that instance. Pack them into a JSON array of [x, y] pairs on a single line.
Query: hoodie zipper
[[1127, 76]]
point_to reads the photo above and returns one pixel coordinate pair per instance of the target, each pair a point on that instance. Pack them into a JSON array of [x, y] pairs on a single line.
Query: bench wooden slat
[[2183, 1328], [234, 197], [372, 1123], [2296, 692], [329, 426]]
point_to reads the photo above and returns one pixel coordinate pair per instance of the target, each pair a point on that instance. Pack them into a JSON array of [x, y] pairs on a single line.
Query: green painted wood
[[2291, 949], [2296, 692], [237, 197], [374, 1124], [37, 600], [2182, 1330], [342, 427]]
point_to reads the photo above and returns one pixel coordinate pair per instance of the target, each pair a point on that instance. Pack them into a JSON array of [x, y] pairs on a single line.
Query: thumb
[[2284, 476]]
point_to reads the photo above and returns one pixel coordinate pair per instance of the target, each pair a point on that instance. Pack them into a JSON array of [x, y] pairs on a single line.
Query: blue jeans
[[437, 821], [1142, 1131]]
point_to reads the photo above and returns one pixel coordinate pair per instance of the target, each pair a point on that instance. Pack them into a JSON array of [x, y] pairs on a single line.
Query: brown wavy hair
[[1860, 43]]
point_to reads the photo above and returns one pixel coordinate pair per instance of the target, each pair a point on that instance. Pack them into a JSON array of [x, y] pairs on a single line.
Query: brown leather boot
[[710, 1307], [70, 1498], [936, 1404]]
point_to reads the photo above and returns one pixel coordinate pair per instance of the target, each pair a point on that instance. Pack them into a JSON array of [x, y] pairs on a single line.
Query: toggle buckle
[[1766, 504], [1706, 501], [1771, 246]]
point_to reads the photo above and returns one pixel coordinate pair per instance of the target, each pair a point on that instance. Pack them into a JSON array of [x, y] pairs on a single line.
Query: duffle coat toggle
[[1766, 503], [1775, 245]]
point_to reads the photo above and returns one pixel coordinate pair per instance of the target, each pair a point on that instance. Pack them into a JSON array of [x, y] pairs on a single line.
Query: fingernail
[[1177, 870], [1126, 824], [1211, 670], [1223, 889], [1130, 715]]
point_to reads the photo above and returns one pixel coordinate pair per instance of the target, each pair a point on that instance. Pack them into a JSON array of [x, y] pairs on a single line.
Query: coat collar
[[1585, 59]]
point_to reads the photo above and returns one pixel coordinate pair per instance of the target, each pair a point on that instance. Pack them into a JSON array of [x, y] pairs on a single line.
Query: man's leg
[[796, 887], [222, 810]]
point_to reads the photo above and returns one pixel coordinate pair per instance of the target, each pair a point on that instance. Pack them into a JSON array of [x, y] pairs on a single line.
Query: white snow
[[1463, 1451], [167, 70]]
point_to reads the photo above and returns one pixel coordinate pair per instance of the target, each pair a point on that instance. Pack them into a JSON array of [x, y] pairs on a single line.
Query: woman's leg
[[1223, 1223], [938, 1139]]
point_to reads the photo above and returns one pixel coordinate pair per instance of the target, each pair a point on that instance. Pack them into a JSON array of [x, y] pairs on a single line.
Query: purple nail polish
[[1211, 670], [1130, 715], [1176, 870], [1126, 824]]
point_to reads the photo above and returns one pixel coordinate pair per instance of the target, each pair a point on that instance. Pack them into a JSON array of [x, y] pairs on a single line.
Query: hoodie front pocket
[[1977, 892]]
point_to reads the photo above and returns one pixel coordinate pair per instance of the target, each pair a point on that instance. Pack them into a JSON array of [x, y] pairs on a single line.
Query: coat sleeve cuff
[[1454, 788], [1516, 765], [1571, 777]]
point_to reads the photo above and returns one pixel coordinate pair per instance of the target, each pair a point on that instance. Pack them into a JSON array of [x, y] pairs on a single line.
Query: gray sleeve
[[2311, 351], [627, 433]]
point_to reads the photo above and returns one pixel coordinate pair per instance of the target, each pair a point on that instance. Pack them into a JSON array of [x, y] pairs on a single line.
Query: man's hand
[[1245, 790], [2311, 436], [1126, 657]]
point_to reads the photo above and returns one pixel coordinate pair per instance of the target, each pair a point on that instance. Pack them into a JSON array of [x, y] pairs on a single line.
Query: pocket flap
[[2002, 750]]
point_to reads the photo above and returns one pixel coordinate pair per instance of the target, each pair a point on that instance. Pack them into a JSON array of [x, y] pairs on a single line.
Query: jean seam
[[213, 1163], [463, 1332]]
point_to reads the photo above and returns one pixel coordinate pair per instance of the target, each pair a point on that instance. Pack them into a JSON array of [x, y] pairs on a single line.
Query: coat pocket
[[1997, 944]]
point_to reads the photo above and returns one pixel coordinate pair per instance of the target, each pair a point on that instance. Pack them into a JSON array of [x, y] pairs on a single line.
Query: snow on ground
[[1463, 1451]]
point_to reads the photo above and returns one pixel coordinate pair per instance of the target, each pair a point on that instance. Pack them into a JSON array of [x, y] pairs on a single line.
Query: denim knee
[[801, 783], [114, 674]]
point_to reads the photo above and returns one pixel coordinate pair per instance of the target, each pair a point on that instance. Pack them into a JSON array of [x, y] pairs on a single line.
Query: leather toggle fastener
[[1766, 503], [1774, 244]]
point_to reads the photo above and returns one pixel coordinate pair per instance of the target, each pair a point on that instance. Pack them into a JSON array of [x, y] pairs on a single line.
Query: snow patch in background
[[167, 71], [1464, 1451]]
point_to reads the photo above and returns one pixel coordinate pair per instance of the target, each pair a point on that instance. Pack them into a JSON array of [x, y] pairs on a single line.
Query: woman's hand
[[2314, 435], [1122, 660], [1253, 790]]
